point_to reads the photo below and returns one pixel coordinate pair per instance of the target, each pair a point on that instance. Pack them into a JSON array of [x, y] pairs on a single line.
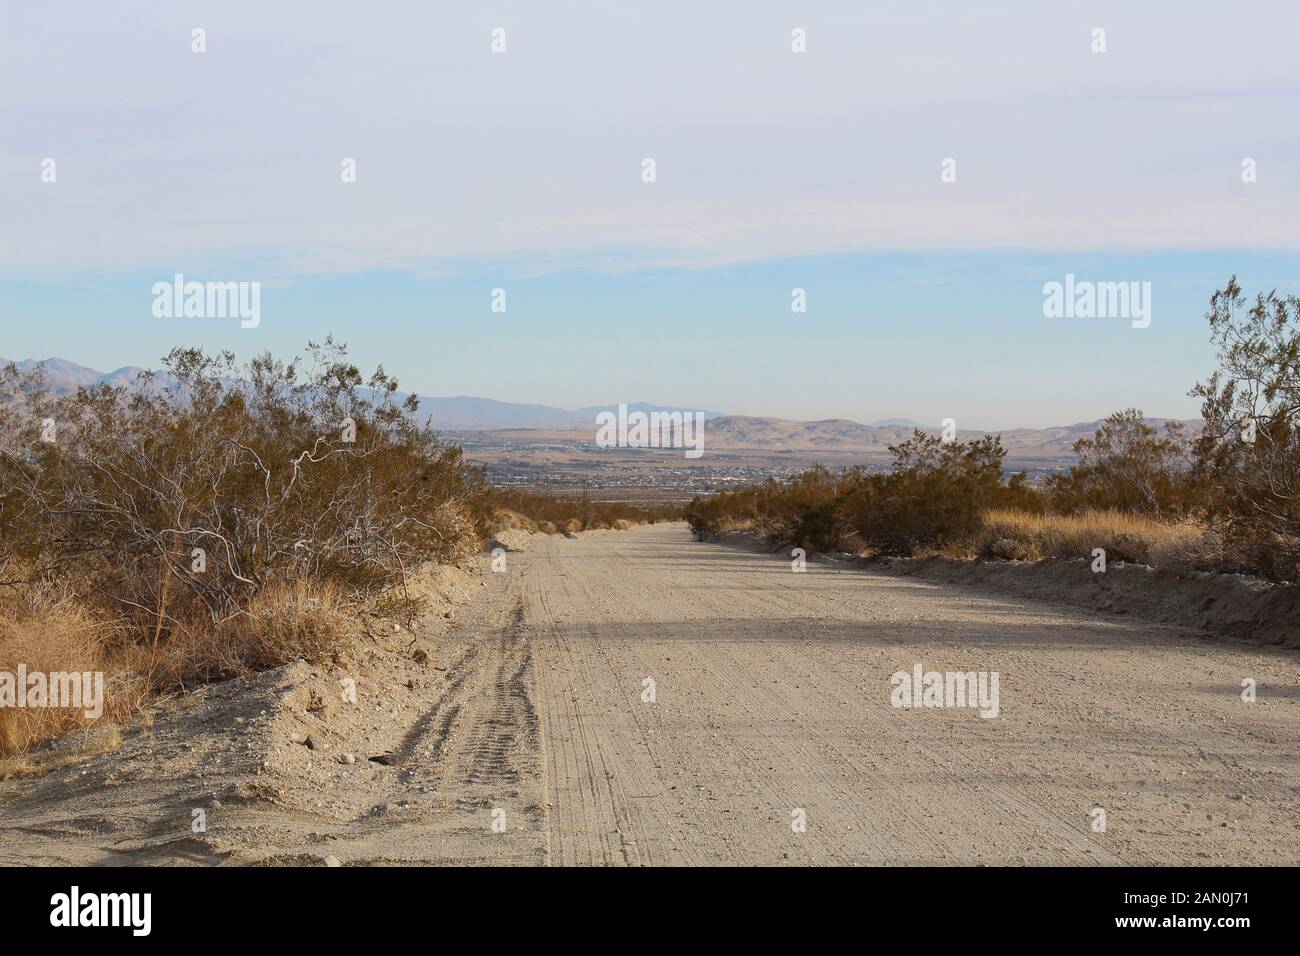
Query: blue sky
[[775, 170], [920, 335]]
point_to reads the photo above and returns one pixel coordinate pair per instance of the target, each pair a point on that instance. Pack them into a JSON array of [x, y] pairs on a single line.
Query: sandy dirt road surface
[[771, 704], [772, 694]]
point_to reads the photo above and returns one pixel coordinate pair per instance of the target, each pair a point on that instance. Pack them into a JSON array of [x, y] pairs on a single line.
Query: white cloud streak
[[169, 157]]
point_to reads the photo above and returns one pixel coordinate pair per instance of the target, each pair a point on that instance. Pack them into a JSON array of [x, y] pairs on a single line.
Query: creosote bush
[[191, 494], [932, 498], [1129, 465], [935, 494], [215, 518], [1248, 455]]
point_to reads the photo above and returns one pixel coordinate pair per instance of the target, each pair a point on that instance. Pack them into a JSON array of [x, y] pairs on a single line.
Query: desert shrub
[[1226, 500], [1248, 455], [710, 515], [197, 490], [935, 494], [803, 509], [1009, 549], [1128, 465], [933, 497], [214, 519], [806, 509], [1191, 546]]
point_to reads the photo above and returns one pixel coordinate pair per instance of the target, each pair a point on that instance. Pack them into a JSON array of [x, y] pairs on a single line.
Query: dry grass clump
[[507, 520], [1022, 535], [564, 514], [286, 621], [44, 629]]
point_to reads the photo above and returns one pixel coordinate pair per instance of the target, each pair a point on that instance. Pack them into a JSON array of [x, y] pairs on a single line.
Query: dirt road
[[772, 694], [641, 698]]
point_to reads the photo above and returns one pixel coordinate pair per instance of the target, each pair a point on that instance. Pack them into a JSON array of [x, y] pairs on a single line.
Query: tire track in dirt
[[805, 746], [773, 694], [979, 809]]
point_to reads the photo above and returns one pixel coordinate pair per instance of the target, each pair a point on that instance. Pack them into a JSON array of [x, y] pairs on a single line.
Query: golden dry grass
[[45, 630], [284, 622], [506, 519], [103, 737], [1024, 535], [48, 630]]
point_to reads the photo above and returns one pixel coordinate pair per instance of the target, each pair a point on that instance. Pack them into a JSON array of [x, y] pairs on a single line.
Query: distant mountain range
[[466, 413], [460, 413], [842, 435], [63, 376]]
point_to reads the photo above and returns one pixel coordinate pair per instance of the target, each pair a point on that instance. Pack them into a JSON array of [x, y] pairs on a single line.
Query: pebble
[[347, 758]]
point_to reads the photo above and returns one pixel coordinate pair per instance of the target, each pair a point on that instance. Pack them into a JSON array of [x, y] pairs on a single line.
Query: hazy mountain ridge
[[457, 413], [63, 376], [739, 431], [469, 413]]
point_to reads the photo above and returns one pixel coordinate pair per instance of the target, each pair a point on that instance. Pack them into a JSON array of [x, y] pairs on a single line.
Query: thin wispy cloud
[[464, 155]]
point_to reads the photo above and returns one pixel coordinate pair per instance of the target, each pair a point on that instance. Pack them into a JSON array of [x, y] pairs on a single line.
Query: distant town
[[573, 464]]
